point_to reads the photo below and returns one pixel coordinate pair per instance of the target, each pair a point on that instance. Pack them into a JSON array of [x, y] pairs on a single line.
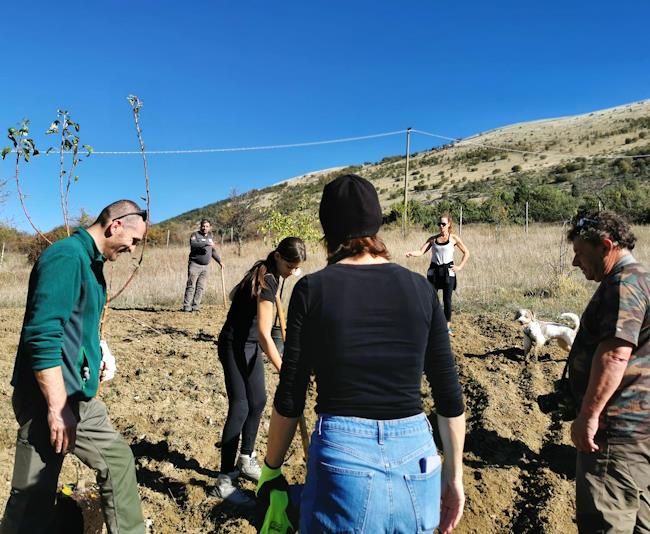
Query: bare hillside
[[547, 151]]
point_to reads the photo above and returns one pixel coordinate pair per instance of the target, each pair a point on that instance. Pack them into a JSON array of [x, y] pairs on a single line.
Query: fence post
[[526, 217], [460, 221], [167, 239], [2, 254], [231, 235]]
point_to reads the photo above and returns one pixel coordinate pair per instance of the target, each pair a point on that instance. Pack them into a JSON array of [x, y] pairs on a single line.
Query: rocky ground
[[169, 402]]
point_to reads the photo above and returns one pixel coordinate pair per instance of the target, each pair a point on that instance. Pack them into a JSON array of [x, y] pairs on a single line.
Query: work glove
[[108, 366], [274, 514]]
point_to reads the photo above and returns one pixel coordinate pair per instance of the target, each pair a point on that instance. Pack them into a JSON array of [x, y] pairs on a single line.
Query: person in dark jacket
[[202, 250], [59, 365], [368, 329]]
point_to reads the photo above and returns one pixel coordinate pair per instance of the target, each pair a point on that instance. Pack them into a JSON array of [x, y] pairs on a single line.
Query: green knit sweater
[[66, 294]]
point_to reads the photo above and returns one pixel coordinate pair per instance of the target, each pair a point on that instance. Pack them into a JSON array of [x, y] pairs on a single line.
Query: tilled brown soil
[[168, 400]]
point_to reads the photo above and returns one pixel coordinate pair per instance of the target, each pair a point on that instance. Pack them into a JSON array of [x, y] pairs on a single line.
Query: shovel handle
[[223, 287]]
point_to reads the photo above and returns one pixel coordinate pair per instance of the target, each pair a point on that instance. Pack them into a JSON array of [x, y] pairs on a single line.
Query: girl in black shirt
[[246, 330]]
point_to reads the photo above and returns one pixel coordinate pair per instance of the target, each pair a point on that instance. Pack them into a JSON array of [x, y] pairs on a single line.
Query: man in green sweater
[[58, 368]]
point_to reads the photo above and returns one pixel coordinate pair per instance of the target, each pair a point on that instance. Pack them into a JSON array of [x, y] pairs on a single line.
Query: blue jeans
[[370, 476]]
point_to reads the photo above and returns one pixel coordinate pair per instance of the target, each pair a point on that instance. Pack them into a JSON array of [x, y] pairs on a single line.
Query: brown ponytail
[[291, 249], [373, 245]]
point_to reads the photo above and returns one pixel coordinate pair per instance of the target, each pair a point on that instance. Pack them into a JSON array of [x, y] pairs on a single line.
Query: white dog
[[538, 332]]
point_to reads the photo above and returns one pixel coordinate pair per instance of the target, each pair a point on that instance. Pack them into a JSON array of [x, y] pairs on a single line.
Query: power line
[[454, 140], [246, 148]]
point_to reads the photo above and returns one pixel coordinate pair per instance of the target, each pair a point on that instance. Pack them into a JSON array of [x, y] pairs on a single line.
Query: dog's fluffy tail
[[573, 318]]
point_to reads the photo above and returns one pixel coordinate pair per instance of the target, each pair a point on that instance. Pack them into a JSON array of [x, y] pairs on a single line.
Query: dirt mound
[[168, 400]]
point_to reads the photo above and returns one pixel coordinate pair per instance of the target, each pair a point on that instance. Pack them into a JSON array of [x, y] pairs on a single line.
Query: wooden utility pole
[[405, 215]]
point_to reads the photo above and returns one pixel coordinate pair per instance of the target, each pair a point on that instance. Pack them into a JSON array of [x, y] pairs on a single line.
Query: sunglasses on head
[[585, 222], [142, 213]]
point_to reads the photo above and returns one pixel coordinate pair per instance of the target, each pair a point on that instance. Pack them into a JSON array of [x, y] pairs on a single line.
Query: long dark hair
[[373, 245], [291, 249]]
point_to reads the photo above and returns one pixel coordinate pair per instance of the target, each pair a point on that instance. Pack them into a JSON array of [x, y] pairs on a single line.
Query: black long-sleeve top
[[368, 332]]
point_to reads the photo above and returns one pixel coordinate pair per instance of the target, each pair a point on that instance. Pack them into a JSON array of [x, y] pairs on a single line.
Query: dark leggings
[[447, 289], [243, 369]]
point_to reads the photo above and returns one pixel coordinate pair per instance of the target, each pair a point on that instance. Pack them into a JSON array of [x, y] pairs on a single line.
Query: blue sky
[[225, 74]]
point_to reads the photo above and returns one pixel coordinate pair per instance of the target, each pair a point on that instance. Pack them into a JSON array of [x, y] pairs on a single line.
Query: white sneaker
[[227, 491], [248, 466]]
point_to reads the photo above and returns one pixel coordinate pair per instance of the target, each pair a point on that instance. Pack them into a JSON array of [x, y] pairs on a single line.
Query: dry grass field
[[508, 269], [168, 398]]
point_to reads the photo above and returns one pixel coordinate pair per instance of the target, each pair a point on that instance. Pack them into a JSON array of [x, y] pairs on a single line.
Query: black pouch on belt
[[438, 275]]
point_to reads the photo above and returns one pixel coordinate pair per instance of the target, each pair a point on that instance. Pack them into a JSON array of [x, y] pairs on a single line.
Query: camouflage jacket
[[620, 308]]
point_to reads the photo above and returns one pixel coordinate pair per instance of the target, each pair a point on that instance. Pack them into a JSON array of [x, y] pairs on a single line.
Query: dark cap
[[349, 208]]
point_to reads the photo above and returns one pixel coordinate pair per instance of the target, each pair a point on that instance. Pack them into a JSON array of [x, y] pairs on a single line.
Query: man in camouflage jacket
[[609, 375]]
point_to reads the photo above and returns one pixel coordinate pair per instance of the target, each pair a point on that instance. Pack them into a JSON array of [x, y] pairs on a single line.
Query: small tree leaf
[[6, 150]]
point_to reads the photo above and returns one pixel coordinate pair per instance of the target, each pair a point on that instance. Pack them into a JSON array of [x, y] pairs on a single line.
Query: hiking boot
[[227, 491], [248, 466]]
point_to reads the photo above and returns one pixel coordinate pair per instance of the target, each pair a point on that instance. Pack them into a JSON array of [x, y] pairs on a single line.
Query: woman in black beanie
[[368, 328]]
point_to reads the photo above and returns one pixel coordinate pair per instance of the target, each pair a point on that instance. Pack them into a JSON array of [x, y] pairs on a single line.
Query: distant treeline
[[553, 194], [546, 203]]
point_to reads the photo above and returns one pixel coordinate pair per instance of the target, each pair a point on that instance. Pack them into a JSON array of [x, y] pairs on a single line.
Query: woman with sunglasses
[[442, 271], [245, 334]]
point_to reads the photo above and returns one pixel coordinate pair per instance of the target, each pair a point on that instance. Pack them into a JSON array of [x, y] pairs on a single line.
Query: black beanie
[[349, 208]]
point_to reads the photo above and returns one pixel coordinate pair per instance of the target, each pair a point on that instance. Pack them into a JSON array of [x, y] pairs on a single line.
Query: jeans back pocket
[[424, 489], [342, 498]]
